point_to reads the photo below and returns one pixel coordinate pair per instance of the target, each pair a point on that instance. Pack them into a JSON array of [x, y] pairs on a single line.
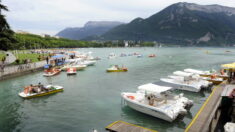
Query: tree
[[7, 39]]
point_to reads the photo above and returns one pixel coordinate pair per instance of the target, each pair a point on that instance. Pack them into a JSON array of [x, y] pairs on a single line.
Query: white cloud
[[51, 16]]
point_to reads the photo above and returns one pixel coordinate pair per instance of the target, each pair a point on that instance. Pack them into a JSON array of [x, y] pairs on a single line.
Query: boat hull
[[123, 70], [49, 75], [207, 75], [77, 68]]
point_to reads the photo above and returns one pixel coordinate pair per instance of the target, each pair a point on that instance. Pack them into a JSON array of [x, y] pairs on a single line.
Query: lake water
[[91, 99]]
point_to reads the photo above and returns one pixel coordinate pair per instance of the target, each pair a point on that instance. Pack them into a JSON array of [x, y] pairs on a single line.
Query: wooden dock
[[207, 117], [121, 126]]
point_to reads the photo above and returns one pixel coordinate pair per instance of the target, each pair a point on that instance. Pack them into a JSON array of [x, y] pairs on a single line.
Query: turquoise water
[[91, 99]]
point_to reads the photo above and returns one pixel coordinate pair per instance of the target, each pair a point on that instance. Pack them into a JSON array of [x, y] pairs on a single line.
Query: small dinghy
[[157, 101], [51, 72], [152, 55], [71, 71], [39, 90]]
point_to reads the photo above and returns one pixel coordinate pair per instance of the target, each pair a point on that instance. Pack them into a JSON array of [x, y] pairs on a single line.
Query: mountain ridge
[[90, 28], [185, 23]]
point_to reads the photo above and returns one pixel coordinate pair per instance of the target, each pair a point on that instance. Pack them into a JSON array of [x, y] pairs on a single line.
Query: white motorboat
[[75, 64], [186, 85], [111, 56], [156, 101], [89, 62]]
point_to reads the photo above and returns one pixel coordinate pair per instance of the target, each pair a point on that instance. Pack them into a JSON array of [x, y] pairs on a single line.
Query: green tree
[[7, 39]]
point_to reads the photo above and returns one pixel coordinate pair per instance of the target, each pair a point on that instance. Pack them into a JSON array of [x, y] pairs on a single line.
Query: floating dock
[[207, 117], [121, 126]]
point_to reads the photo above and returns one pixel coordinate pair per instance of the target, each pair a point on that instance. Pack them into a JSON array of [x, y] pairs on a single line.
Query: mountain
[[90, 28], [181, 23]]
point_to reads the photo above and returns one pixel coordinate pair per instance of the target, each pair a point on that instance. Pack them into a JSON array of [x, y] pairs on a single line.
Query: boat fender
[[131, 97]]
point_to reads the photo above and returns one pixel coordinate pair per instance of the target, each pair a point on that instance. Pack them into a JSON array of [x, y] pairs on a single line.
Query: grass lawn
[[32, 57], [1, 55]]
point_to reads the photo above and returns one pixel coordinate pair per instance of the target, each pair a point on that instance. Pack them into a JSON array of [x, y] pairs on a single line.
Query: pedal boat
[[51, 90], [117, 69]]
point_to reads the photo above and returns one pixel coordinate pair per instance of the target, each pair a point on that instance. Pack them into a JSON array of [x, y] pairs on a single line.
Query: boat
[[51, 72], [152, 55], [139, 56], [74, 64], [157, 101], [193, 77], [71, 71], [111, 56], [115, 68], [49, 89], [183, 84], [207, 73], [88, 62]]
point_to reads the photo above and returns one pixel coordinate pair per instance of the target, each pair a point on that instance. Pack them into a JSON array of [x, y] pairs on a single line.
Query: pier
[[207, 118], [121, 126]]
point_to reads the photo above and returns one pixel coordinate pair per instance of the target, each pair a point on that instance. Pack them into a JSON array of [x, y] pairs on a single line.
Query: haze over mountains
[[180, 23], [90, 28]]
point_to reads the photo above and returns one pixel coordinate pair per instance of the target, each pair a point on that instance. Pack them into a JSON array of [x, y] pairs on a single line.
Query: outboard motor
[[182, 113]]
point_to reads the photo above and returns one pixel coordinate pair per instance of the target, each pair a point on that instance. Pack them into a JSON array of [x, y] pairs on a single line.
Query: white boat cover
[[181, 73], [229, 127], [154, 88]]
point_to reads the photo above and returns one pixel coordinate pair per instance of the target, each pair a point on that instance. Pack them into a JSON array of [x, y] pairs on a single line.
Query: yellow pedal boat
[[50, 90], [117, 69]]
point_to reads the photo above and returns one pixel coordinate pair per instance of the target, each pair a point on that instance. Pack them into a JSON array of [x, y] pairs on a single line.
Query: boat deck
[[121, 126], [202, 122]]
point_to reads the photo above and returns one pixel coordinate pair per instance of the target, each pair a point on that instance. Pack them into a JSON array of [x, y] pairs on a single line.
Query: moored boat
[[71, 71], [115, 68], [152, 55], [51, 72], [156, 101], [37, 91], [207, 73]]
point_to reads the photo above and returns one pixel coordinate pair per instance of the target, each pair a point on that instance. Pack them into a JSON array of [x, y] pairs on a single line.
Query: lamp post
[[0, 8]]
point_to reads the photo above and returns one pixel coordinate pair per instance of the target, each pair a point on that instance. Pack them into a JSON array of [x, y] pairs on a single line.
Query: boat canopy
[[153, 88], [181, 73], [231, 65], [58, 56]]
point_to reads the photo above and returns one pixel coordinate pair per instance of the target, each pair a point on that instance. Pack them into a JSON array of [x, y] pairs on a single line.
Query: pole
[[0, 8]]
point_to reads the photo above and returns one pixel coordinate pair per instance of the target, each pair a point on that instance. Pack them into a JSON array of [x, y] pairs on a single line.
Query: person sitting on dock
[[222, 72]]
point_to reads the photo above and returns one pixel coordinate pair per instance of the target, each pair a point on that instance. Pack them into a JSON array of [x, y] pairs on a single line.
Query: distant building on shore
[[22, 32]]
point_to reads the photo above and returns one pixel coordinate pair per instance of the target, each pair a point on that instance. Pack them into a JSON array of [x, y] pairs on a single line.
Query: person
[[3, 59], [41, 87], [47, 59], [221, 71]]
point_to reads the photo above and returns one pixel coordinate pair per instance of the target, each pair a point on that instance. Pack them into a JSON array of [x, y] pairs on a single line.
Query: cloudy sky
[[51, 16]]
